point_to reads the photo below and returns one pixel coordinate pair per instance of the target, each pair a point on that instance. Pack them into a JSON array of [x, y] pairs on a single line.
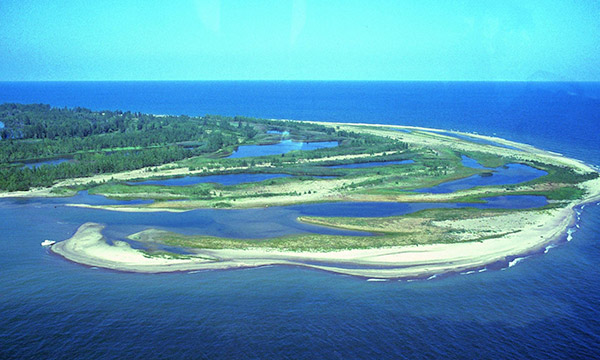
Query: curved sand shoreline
[[88, 246]]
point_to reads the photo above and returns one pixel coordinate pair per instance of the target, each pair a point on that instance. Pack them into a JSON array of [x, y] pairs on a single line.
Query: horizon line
[[307, 80]]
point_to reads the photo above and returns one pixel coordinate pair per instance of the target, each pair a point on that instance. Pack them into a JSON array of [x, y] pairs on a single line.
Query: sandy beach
[[88, 246]]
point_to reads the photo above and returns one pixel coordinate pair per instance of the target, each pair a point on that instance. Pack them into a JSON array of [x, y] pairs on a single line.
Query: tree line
[[107, 141]]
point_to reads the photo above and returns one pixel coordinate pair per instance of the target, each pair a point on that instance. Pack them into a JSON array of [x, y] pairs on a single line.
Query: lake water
[[503, 175], [282, 147], [50, 162], [544, 307]]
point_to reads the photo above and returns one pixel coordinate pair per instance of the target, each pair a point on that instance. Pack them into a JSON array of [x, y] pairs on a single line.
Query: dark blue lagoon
[[504, 175], [230, 179], [545, 307], [282, 147]]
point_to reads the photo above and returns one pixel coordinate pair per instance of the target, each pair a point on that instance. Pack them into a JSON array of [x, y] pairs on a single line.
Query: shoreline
[[89, 247]]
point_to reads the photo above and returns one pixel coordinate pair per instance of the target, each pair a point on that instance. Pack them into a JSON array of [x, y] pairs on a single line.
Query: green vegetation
[[413, 229], [108, 142]]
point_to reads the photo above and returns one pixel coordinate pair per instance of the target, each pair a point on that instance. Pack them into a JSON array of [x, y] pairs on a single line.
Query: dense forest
[[100, 142]]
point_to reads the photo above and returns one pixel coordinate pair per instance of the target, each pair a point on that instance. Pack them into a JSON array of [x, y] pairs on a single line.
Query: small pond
[[282, 133], [50, 162], [282, 147]]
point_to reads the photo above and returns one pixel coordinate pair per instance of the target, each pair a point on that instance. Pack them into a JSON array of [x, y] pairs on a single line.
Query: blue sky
[[299, 40]]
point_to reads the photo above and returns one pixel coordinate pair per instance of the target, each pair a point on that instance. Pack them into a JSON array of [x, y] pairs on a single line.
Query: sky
[[441, 40]]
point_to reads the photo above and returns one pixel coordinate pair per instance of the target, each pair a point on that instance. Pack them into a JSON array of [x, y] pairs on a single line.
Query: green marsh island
[[488, 199]]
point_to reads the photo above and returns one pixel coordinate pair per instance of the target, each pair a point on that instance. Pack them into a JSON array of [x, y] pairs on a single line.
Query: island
[[420, 201]]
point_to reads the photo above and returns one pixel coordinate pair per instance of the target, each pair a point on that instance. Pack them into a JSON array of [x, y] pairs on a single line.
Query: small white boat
[[48, 242]]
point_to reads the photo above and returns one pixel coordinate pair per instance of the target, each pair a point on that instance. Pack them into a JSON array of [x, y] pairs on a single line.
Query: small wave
[[551, 246], [516, 261], [468, 272], [195, 271], [94, 268], [432, 277], [482, 270], [570, 234], [377, 280]]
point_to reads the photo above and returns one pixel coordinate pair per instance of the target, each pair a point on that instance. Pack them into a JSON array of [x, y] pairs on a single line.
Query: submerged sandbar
[[88, 246]]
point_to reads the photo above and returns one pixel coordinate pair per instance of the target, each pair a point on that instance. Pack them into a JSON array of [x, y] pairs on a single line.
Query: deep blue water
[[544, 307]]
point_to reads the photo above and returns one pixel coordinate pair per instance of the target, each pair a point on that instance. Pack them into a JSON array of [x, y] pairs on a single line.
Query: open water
[[542, 306]]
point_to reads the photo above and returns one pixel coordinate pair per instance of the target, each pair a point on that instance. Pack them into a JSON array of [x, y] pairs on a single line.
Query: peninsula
[[485, 199]]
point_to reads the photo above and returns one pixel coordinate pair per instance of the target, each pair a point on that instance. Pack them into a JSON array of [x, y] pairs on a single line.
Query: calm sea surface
[[545, 306]]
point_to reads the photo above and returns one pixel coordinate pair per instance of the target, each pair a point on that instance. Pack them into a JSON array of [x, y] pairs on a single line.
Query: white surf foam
[[377, 280], [551, 246], [570, 234], [516, 261]]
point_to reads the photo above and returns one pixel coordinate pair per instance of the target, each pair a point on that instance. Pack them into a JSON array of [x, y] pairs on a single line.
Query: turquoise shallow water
[[543, 307]]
